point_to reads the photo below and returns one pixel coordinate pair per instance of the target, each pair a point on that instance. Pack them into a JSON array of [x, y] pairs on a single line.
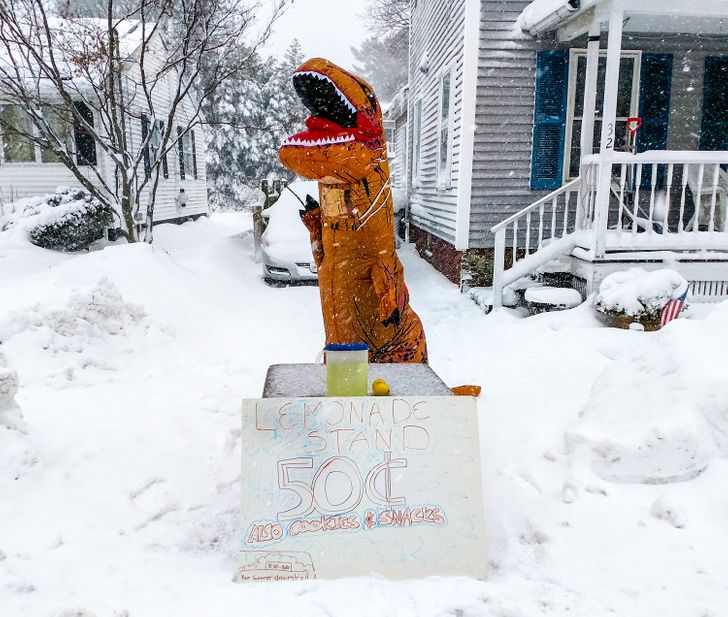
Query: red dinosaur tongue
[[321, 125], [321, 132]]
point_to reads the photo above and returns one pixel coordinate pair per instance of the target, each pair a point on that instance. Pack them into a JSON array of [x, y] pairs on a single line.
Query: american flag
[[672, 309]]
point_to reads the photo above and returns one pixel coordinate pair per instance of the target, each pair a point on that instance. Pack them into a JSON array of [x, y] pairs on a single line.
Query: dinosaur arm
[[311, 218], [392, 292]]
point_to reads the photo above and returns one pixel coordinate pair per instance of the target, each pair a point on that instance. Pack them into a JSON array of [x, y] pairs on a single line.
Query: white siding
[[28, 179], [437, 29]]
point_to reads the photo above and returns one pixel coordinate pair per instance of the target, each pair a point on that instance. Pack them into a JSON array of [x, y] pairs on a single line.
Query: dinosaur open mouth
[[333, 116], [324, 99]]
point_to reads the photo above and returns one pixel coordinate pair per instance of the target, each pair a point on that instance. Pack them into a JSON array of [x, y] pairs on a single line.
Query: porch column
[[586, 145], [609, 114], [590, 88]]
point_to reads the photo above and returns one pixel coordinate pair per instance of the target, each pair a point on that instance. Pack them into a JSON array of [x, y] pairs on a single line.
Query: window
[[16, 147], [416, 141], [187, 154], [85, 144], [145, 151], [156, 143], [192, 153], [390, 133], [60, 123], [154, 147], [627, 104], [444, 146]]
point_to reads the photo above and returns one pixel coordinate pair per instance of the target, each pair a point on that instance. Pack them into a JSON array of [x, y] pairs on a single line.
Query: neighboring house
[[395, 126], [26, 170], [501, 108]]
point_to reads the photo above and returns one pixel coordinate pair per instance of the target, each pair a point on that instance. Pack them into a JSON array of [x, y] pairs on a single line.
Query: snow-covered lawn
[[604, 451]]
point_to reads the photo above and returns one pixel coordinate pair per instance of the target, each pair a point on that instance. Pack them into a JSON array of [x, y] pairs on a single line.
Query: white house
[[520, 149], [26, 170]]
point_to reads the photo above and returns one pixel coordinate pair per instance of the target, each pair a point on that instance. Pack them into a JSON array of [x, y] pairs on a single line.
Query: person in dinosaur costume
[[363, 294]]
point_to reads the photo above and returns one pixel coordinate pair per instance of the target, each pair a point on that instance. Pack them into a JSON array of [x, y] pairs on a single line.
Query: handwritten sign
[[345, 487]]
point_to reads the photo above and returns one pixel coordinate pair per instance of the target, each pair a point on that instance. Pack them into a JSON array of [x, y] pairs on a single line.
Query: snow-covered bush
[[67, 220], [637, 295]]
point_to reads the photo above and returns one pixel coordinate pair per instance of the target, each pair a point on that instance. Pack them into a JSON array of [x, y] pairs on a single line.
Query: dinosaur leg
[[407, 343]]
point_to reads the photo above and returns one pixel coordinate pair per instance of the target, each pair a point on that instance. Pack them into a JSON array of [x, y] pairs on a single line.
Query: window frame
[[390, 134], [187, 153], [444, 174], [574, 55]]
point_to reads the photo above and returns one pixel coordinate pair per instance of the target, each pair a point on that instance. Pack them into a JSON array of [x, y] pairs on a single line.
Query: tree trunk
[[127, 210]]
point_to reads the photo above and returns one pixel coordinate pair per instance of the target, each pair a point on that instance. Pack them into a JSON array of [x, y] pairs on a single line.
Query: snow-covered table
[[293, 380]]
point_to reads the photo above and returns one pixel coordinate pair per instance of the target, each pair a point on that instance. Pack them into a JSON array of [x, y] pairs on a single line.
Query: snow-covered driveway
[[604, 451]]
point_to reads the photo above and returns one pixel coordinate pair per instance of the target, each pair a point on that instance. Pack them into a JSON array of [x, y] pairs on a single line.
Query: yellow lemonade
[[346, 378]]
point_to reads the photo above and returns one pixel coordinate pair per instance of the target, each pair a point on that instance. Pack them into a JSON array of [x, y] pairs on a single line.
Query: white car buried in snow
[[286, 245]]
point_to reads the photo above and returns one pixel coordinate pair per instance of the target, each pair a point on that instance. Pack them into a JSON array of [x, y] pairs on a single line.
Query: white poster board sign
[[346, 487]]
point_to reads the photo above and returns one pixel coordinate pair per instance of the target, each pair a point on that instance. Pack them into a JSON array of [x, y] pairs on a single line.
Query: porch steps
[[546, 299]]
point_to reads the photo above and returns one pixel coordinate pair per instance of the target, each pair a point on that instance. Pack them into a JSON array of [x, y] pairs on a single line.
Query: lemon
[[380, 387]]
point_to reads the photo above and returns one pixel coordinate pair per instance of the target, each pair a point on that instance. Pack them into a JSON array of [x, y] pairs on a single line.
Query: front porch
[[625, 209]]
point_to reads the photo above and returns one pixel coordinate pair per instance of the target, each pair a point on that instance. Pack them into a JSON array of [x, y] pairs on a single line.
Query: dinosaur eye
[[368, 93]]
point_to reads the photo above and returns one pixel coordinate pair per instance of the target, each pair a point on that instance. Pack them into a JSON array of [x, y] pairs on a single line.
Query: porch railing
[[535, 235], [662, 200], [658, 201]]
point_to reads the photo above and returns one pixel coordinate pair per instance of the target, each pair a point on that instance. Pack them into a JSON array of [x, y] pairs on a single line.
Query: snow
[[603, 450], [555, 296], [637, 291], [539, 10], [285, 238]]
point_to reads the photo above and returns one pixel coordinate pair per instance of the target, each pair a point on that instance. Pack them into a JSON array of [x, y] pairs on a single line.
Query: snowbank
[[123, 497], [10, 415], [659, 412]]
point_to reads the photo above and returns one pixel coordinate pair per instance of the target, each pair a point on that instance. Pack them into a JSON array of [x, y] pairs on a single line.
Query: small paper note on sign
[[346, 487]]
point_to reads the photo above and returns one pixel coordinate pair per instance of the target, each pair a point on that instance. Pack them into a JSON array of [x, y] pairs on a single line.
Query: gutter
[[544, 15]]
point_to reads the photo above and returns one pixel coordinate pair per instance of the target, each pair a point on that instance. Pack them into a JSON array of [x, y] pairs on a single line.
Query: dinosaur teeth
[[323, 141]]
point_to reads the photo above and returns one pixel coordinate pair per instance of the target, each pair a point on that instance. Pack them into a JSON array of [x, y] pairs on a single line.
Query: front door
[[627, 104]]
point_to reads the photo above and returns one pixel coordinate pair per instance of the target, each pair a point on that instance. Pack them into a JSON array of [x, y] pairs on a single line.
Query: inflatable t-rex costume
[[363, 295]]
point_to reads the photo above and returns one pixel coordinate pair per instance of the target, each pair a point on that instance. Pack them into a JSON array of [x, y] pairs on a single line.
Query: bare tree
[[139, 65], [387, 16], [382, 58]]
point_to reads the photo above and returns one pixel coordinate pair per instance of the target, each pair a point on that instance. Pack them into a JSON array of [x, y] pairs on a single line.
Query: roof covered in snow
[[708, 17]]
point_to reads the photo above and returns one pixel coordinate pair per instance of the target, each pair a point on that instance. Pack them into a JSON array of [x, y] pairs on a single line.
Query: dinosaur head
[[344, 136]]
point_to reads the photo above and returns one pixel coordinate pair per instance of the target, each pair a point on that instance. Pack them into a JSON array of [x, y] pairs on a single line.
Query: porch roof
[[571, 18]]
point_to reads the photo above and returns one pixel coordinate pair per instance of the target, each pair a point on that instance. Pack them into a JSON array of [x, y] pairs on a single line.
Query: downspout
[[410, 136]]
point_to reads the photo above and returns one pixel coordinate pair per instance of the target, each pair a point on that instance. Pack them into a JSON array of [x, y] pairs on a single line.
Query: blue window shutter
[[714, 124], [655, 86], [547, 154]]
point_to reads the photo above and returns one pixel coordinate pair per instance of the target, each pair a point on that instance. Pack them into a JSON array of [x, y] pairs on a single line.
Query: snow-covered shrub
[[73, 221], [637, 295], [67, 220]]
